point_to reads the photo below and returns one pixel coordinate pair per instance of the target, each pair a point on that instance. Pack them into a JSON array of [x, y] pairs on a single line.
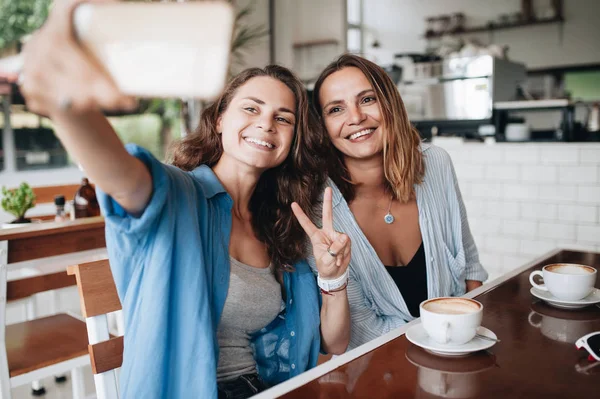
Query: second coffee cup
[[566, 281], [451, 321]]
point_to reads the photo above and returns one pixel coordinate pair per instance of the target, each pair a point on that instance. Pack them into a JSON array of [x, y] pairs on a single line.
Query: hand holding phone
[[97, 54], [160, 49]]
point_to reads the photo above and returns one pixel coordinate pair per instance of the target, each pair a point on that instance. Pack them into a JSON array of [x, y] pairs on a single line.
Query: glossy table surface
[[535, 358]]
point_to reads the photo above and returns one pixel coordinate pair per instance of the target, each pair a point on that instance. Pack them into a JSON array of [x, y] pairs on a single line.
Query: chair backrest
[[98, 296], [43, 245], [19, 289], [46, 194], [25, 287]]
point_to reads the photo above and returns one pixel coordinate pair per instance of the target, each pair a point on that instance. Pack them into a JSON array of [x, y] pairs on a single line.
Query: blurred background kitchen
[[510, 89]]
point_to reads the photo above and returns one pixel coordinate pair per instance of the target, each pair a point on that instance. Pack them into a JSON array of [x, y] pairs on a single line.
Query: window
[[354, 34], [34, 144], [3, 105], [38, 148]]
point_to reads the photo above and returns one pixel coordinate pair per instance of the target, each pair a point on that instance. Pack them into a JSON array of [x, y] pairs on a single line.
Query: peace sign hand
[[330, 248]]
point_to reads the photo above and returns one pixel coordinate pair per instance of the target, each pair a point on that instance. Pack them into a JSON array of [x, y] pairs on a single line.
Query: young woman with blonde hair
[[396, 197]]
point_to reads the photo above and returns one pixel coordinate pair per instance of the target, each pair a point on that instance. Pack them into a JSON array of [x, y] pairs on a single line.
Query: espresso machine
[[456, 96]]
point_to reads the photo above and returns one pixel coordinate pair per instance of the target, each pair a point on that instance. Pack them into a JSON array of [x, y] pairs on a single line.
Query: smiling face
[[258, 125], [352, 113]]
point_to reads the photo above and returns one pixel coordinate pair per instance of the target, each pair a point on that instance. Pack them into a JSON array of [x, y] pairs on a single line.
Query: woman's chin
[[262, 165], [364, 154]]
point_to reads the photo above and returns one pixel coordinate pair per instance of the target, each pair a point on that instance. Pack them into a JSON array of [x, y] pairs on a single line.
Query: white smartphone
[[157, 49]]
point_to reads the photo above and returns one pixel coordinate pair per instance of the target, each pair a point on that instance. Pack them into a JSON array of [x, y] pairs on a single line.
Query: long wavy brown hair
[[299, 178], [402, 159]]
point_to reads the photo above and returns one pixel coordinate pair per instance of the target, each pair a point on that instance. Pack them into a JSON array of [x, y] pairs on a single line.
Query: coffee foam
[[566, 268], [451, 306]]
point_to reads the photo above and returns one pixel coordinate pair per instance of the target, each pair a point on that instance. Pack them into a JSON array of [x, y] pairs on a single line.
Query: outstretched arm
[[62, 81]]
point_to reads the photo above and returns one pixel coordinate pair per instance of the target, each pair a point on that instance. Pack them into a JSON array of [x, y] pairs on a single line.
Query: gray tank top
[[253, 301]]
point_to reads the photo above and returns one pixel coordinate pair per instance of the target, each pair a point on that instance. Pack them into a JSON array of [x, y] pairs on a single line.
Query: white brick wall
[[525, 199], [539, 174]]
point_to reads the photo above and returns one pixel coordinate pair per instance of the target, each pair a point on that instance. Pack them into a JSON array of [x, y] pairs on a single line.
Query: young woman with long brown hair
[[206, 253], [396, 197]]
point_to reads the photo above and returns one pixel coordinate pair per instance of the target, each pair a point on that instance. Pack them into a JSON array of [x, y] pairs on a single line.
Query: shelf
[[494, 27], [562, 69], [312, 43], [532, 104]]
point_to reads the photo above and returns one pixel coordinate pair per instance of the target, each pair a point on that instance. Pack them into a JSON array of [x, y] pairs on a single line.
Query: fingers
[[327, 210], [345, 261], [59, 76], [331, 267], [339, 247], [100, 92], [8, 75], [342, 258], [304, 220], [59, 22], [347, 250]]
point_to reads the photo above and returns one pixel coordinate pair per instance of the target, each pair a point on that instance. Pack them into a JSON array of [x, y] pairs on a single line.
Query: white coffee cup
[[451, 321], [566, 281]]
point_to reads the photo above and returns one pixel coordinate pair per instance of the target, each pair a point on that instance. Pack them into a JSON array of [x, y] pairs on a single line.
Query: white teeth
[[360, 134], [259, 142]]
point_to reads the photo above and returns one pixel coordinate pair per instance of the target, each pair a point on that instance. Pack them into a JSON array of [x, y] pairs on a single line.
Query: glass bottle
[[61, 216], [85, 201]]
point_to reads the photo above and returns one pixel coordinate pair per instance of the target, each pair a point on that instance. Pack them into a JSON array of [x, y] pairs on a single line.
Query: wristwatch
[[328, 285]]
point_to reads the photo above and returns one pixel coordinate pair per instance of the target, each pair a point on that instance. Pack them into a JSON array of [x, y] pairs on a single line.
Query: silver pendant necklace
[[389, 218]]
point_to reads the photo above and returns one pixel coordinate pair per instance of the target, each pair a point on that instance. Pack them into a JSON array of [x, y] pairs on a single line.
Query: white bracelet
[[333, 284]]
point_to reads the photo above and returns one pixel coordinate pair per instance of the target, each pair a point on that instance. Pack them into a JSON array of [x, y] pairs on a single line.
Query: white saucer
[[551, 300], [417, 335]]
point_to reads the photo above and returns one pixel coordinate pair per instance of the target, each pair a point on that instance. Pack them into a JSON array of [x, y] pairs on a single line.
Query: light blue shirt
[[171, 269], [376, 304]]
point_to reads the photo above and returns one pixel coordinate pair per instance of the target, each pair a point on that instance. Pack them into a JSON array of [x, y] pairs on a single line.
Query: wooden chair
[[44, 197], [29, 350], [98, 296], [42, 347]]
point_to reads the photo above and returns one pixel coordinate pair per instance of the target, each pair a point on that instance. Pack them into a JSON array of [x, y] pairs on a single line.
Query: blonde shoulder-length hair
[[402, 158]]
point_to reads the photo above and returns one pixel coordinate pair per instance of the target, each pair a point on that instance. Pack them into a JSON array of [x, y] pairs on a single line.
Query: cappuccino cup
[[451, 321], [566, 281]]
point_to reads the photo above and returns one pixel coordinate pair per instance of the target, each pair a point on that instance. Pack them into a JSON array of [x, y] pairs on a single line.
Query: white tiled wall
[[525, 199]]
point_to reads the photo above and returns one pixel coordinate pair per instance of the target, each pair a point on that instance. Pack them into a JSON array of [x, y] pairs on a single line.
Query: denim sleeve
[[128, 237], [117, 219]]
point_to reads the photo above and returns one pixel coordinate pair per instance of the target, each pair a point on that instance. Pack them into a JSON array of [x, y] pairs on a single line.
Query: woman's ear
[[219, 123]]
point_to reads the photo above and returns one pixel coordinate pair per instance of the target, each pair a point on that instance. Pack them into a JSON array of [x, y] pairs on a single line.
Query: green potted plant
[[18, 201]]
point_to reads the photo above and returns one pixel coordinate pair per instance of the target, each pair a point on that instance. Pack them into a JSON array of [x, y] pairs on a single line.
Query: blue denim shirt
[[171, 269]]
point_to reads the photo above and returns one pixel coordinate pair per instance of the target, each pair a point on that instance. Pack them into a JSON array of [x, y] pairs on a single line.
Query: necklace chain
[[388, 218], [389, 206]]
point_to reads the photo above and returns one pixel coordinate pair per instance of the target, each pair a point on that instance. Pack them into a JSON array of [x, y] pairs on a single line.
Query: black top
[[412, 281]]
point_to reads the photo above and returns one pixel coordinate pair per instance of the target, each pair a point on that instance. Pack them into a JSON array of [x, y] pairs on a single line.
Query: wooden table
[[535, 358], [38, 254], [41, 240]]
